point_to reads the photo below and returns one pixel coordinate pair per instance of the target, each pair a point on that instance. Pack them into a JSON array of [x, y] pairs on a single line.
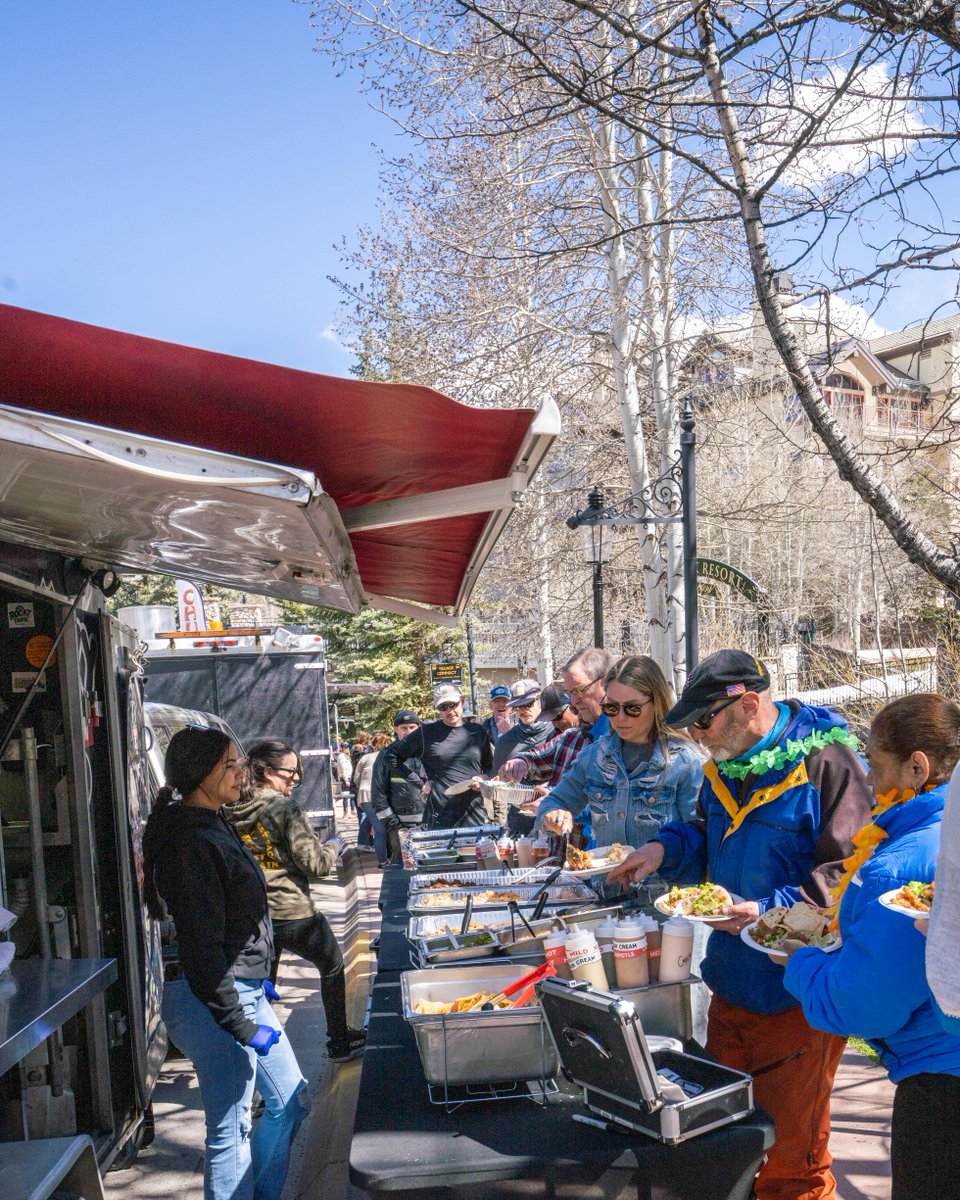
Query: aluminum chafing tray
[[663, 1094], [487, 879], [440, 948], [499, 919], [476, 1047], [455, 899], [442, 836]]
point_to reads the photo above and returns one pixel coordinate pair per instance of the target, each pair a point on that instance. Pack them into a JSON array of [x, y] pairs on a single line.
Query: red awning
[[423, 484]]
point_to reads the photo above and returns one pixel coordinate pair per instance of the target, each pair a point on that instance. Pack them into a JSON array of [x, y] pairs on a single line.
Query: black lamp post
[[595, 553], [670, 499]]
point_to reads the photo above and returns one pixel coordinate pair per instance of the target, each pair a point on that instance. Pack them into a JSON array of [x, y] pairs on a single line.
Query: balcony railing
[[898, 418]]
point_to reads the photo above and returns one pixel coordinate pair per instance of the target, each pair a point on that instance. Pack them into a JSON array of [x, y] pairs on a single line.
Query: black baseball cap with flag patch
[[724, 674]]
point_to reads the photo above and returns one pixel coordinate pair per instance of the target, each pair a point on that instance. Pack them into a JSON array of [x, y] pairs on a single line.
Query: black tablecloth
[[403, 1143]]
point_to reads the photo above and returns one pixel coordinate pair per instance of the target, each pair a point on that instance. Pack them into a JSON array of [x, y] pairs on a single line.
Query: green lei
[[777, 757]]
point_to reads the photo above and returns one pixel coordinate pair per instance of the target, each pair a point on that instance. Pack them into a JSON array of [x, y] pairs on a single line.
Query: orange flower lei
[[866, 842]]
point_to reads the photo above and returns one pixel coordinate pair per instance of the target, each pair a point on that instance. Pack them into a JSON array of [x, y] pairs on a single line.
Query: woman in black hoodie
[[215, 1000]]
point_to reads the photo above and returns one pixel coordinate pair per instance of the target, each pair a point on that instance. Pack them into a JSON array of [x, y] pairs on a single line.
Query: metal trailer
[[81, 1036], [262, 682]]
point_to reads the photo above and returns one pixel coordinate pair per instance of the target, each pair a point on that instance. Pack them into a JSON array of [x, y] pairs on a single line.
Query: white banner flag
[[190, 601]]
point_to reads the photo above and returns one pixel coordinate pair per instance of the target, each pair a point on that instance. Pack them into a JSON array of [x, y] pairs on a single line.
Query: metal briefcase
[[664, 1094]]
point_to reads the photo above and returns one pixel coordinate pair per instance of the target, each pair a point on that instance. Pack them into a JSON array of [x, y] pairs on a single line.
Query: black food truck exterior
[[264, 682]]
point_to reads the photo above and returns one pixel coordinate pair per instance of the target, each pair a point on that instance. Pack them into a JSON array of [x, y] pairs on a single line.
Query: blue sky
[[181, 169]]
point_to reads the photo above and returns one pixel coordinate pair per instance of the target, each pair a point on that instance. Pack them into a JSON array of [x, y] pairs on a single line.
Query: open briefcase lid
[[601, 1043]]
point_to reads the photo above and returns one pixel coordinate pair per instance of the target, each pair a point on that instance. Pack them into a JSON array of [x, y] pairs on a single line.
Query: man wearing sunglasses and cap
[[783, 794], [451, 751], [530, 731]]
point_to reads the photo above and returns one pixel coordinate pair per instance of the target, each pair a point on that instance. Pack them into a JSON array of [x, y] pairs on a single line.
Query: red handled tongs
[[524, 985]]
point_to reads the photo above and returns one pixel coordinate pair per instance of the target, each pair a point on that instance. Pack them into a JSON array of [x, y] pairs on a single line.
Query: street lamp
[[596, 551], [670, 499]]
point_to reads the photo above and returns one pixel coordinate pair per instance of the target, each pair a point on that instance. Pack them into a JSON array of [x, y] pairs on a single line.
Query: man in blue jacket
[[783, 795]]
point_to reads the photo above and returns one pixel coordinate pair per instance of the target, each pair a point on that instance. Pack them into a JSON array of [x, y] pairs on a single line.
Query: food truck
[[120, 453], [264, 682]]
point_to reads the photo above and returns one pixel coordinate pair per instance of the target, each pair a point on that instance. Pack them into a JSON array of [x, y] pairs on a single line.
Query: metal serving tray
[[437, 950], [499, 919], [487, 879], [442, 836], [456, 898], [476, 1047]]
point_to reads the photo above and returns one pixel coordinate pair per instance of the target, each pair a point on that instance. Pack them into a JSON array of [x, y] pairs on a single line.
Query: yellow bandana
[[866, 842]]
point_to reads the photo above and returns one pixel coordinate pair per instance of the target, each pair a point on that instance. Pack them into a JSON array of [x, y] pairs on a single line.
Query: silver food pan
[[488, 879], [498, 919], [439, 949], [441, 836], [455, 899], [476, 1047]]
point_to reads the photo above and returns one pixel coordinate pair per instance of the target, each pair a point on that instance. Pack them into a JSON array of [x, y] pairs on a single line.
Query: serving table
[[402, 1144]]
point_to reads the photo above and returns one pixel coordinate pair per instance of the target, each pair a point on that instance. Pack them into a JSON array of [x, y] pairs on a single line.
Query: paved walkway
[[860, 1111], [172, 1166]]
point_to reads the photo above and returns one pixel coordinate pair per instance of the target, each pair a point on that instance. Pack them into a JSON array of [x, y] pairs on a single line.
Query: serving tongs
[[467, 914], [523, 985], [514, 909], [540, 896]]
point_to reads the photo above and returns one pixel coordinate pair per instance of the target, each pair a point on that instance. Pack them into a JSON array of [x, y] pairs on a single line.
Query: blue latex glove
[[269, 990], [335, 841], [265, 1037]]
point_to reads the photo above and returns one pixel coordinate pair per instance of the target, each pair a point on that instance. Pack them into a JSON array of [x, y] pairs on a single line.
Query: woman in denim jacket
[[638, 776]]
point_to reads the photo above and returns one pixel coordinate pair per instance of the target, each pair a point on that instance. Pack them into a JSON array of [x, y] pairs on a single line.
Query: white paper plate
[[887, 900], [660, 904], [599, 866], [776, 954]]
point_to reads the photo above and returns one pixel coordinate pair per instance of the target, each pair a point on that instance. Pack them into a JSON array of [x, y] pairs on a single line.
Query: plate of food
[[912, 900], [801, 924], [581, 864], [702, 902]]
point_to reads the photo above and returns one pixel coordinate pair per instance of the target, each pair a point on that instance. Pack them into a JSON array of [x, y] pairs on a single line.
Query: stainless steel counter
[[36, 997]]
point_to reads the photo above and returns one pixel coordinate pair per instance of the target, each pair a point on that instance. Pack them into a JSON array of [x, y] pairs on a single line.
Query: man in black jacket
[[530, 730], [450, 752], [397, 794]]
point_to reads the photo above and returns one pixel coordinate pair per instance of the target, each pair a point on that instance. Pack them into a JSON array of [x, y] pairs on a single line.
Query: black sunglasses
[[706, 720], [447, 707], [632, 708], [295, 773]]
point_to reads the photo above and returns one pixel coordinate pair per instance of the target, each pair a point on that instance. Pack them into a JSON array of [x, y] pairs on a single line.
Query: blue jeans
[[377, 830], [240, 1163]]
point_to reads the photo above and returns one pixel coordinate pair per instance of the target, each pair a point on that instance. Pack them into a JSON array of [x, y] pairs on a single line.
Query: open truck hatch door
[[147, 505], [392, 494]]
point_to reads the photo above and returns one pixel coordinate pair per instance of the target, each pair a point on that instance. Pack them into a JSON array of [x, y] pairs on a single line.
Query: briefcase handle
[[572, 1035]]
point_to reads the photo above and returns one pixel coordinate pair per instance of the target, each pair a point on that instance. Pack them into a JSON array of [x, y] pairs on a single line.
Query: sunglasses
[[632, 708], [447, 707], [580, 691], [706, 720]]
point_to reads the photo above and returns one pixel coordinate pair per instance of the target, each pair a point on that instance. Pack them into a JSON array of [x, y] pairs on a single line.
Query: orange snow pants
[[796, 1094]]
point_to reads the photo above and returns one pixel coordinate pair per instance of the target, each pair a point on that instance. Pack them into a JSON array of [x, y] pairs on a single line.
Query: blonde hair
[[642, 673]]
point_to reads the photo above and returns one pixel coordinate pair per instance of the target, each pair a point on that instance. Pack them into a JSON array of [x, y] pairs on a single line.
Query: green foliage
[[376, 646]]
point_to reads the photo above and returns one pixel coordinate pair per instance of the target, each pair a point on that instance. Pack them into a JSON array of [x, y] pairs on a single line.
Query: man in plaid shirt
[[547, 763]]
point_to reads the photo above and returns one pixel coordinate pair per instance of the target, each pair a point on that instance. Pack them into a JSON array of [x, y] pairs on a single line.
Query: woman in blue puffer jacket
[[638, 776], [875, 986]]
